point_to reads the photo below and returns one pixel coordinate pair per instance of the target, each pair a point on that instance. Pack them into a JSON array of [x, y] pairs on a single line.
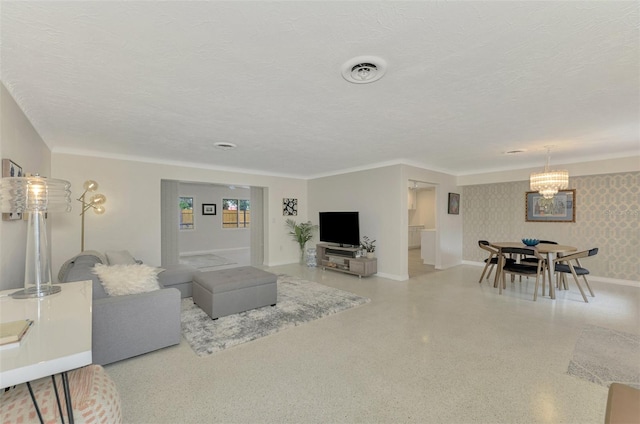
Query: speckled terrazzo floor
[[437, 348]]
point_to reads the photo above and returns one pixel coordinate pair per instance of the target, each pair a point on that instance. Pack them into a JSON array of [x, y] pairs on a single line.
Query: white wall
[[376, 195], [132, 218], [20, 142], [380, 195], [208, 234]]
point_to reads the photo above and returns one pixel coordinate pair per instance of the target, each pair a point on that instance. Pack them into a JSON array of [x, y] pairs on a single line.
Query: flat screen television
[[342, 228]]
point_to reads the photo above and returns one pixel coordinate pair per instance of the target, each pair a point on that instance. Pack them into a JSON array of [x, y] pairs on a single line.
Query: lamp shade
[[35, 193]]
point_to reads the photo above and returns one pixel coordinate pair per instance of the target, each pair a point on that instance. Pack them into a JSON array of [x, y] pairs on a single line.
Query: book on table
[[12, 332]]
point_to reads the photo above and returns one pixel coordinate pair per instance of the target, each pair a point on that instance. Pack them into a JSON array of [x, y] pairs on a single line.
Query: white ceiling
[[465, 82]]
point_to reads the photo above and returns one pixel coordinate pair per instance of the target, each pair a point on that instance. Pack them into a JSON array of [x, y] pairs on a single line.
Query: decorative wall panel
[[607, 217]]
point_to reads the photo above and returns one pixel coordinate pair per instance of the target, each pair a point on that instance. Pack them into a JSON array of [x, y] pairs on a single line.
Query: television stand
[[343, 259]]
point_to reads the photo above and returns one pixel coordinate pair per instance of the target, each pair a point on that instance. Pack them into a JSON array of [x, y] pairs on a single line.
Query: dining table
[[545, 249]]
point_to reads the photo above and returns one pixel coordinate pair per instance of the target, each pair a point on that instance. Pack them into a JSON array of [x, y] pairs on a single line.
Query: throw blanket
[[62, 274]]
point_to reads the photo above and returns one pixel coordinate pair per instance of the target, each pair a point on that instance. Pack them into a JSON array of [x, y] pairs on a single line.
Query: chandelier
[[548, 183]]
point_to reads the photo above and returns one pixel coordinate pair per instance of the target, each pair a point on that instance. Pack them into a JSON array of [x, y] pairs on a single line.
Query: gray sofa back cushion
[[80, 269]]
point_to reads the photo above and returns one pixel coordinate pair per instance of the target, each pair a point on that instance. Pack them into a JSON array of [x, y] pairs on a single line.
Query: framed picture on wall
[[454, 204], [209, 209], [289, 207], [11, 169], [561, 208]]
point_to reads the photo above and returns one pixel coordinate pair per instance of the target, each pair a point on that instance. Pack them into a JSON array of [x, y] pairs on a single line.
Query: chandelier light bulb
[[99, 210]]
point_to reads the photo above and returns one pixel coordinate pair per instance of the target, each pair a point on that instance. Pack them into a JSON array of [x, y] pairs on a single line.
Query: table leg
[[499, 277], [67, 397], [552, 288], [35, 402], [55, 389]]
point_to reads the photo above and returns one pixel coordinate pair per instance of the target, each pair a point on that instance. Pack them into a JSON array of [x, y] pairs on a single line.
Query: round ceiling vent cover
[[364, 69], [225, 146]]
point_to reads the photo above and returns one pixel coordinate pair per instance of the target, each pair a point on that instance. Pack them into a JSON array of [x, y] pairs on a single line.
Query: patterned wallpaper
[[607, 217]]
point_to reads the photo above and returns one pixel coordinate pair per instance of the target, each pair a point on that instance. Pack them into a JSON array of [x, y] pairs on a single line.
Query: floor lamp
[[36, 196], [95, 202]]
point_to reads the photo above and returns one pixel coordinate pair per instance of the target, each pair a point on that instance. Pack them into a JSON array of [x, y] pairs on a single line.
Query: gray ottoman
[[234, 290], [179, 276]]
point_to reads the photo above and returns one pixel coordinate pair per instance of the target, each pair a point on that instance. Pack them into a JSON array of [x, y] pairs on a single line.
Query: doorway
[[211, 240], [422, 227]]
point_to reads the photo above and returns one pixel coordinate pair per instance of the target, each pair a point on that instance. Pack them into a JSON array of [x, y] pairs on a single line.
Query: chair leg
[[484, 271], [490, 270], [588, 286], [535, 291], [575, 277]]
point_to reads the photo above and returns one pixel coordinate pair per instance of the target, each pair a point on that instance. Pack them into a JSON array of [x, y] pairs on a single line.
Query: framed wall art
[[561, 208], [209, 209], [454, 204], [289, 207], [11, 169]]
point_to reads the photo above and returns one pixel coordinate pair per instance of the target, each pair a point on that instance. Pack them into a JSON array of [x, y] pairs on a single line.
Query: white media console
[[344, 259]]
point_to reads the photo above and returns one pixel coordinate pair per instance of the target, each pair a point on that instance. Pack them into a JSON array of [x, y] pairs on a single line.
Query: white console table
[[59, 339]]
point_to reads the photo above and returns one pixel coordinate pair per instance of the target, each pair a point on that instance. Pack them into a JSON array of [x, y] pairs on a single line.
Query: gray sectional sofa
[[128, 325]]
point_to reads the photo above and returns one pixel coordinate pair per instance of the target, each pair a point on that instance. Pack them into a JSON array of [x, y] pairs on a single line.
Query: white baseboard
[[591, 277], [391, 276]]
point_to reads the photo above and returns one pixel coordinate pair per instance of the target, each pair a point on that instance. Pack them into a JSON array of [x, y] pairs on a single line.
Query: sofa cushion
[[127, 279], [120, 257], [80, 268]]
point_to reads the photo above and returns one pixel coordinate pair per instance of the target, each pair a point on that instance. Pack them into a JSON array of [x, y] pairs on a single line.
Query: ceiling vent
[[225, 146], [364, 69]]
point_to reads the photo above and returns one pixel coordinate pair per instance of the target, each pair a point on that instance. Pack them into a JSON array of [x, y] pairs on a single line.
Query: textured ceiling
[[465, 82]]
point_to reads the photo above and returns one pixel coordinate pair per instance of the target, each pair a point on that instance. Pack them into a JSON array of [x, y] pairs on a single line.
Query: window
[[236, 213], [186, 213]]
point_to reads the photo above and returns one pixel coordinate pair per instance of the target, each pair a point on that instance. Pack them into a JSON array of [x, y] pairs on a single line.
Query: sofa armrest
[[130, 325]]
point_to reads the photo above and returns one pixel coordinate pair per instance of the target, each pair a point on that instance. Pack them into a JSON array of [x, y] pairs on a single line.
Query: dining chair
[[525, 269], [492, 260], [533, 260], [564, 266]]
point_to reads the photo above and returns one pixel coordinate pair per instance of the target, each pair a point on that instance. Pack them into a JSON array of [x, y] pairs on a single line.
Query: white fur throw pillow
[[127, 279]]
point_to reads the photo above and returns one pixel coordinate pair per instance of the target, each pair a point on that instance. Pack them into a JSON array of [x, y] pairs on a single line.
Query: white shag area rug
[[604, 356], [299, 301]]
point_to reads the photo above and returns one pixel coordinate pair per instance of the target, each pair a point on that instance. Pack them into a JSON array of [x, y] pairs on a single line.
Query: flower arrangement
[[368, 244]]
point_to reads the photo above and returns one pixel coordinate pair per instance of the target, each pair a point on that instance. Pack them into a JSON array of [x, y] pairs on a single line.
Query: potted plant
[[301, 233], [369, 246]]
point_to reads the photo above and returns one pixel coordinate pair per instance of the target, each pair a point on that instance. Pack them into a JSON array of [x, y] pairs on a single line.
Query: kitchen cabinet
[[428, 247]]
